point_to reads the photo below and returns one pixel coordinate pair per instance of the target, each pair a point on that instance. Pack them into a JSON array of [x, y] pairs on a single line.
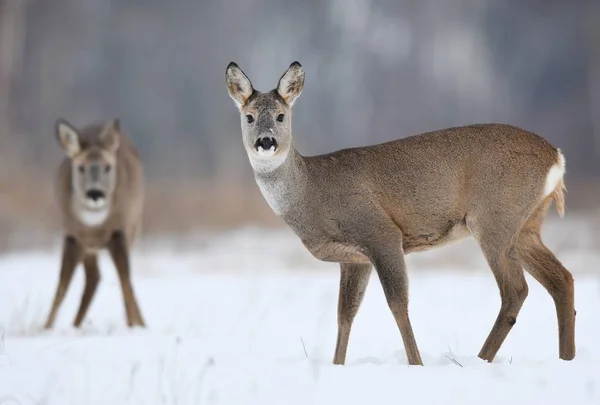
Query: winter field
[[249, 317]]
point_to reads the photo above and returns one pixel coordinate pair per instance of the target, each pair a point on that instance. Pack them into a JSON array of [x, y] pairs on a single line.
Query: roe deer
[[100, 192], [369, 206]]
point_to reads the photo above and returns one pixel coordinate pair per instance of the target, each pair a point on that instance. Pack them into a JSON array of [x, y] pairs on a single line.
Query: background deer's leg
[[120, 255], [70, 258]]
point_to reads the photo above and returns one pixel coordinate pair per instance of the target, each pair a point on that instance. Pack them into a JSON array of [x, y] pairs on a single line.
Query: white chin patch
[[98, 204], [93, 217], [93, 212], [265, 153]]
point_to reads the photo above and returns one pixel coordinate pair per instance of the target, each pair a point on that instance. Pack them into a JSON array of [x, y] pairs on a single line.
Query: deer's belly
[[425, 240], [329, 251]]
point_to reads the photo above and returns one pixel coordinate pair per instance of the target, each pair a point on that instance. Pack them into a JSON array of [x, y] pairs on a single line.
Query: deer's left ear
[[291, 83], [111, 135], [68, 137]]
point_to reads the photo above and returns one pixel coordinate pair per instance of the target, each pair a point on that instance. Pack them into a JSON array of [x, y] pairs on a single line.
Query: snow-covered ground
[[249, 317]]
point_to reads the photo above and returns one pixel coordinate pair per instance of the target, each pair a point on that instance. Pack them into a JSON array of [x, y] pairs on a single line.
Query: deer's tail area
[[555, 183]]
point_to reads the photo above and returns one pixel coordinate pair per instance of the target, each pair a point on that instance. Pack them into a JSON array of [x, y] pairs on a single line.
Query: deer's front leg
[[354, 279], [70, 258], [120, 255], [92, 277], [388, 260]]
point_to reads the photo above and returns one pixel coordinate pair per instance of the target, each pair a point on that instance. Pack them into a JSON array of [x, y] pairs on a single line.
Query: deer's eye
[[249, 119], [81, 168], [107, 168], [280, 118]]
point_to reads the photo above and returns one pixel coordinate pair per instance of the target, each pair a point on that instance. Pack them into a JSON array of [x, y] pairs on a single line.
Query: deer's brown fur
[[370, 206], [107, 151]]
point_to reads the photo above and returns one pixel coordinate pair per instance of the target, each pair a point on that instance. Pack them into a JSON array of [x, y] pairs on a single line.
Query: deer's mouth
[[266, 146], [95, 199]]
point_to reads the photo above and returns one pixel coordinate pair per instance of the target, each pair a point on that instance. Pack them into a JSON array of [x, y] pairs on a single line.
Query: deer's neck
[[283, 186]]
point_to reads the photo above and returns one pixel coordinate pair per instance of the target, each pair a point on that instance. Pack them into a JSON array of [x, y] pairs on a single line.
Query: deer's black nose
[[266, 143], [94, 194]]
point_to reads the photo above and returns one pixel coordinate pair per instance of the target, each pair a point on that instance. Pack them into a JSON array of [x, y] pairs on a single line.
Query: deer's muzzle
[[266, 145], [95, 195]]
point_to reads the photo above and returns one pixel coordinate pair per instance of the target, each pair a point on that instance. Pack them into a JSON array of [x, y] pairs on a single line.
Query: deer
[[100, 193], [367, 207]]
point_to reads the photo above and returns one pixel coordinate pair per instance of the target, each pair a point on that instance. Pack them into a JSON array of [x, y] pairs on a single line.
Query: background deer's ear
[[291, 83], [111, 135], [68, 137], [238, 85]]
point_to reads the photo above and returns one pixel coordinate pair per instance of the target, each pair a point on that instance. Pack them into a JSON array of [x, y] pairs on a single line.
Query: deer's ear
[[291, 83], [238, 85], [68, 137], [111, 135]]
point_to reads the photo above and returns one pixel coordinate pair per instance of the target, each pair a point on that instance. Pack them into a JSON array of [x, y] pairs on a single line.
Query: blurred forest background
[[376, 70]]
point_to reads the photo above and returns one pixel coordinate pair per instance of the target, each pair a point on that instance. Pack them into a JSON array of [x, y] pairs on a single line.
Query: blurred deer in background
[[100, 192], [370, 206]]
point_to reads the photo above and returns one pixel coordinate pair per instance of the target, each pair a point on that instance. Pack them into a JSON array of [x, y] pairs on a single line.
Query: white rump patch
[[555, 174], [93, 217]]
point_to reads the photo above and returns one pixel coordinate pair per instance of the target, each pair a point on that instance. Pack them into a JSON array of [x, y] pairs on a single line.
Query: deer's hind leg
[[354, 279], [497, 241], [539, 261]]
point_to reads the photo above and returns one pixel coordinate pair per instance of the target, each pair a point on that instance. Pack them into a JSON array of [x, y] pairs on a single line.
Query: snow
[[248, 317]]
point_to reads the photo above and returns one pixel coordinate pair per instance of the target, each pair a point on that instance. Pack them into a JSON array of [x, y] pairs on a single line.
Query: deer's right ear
[[68, 137], [238, 85]]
